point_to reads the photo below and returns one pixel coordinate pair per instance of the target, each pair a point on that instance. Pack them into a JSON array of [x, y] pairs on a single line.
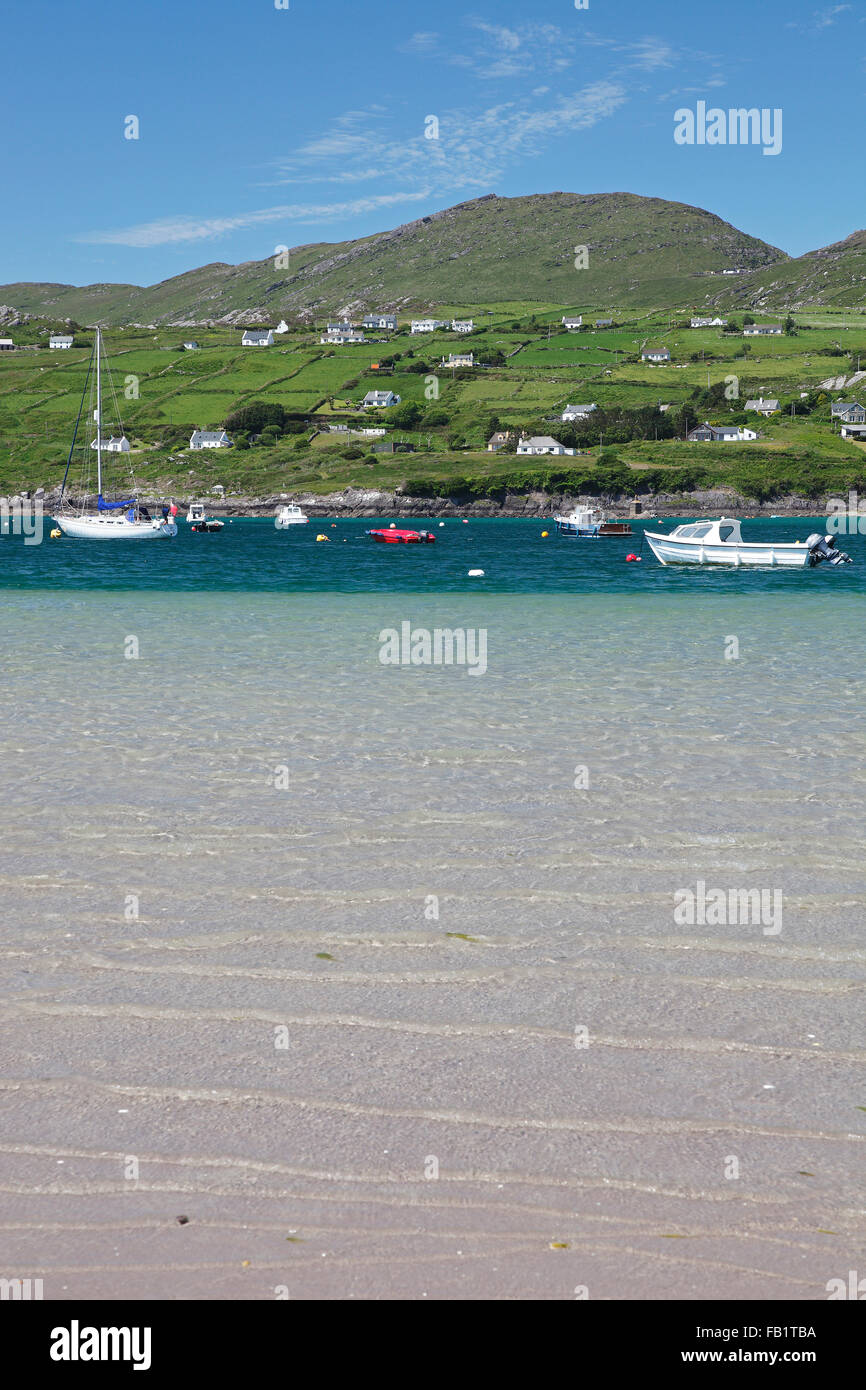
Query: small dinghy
[[394, 536], [721, 543]]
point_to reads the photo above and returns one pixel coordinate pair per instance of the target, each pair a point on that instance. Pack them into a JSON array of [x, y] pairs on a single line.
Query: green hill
[[835, 275], [642, 252]]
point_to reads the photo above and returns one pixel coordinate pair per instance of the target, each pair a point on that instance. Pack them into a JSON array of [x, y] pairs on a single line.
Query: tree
[[255, 416]]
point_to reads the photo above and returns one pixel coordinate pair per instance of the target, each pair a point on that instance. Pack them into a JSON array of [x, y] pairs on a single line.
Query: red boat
[[396, 537]]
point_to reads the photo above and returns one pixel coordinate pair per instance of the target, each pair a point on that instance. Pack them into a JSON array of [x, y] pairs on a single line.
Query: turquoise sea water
[[252, 555]]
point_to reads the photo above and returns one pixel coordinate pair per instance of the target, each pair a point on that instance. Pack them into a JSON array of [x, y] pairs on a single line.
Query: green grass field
[[163, 390]]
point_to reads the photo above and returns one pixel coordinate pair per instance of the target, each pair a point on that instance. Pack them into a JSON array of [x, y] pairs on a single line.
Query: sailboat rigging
[[124, 519]]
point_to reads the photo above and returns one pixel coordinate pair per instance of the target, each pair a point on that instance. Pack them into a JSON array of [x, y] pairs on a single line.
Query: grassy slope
[[40, 391], [641, 250]]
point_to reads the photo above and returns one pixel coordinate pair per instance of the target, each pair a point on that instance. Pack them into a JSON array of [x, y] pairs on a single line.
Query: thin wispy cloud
[[819, 19], [474, 148], [170, 230]]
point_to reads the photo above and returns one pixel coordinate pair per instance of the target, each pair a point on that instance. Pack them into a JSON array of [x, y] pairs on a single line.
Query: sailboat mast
[[98, 413]]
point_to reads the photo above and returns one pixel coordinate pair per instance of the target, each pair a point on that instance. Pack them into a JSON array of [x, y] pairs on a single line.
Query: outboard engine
[[824, 548]]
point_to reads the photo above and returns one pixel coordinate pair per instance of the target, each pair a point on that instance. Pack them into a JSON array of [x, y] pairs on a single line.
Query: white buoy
[[441, 523], [473, 574]]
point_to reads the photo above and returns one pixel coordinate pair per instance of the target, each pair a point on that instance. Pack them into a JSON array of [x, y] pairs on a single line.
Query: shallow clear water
[[394, 864]]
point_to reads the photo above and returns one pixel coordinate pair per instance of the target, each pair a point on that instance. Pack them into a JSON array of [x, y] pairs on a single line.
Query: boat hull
[[591, 533], [765, 555], [114, 529]]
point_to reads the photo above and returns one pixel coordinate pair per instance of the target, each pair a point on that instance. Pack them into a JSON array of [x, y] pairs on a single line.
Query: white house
[[119, 445], [209, 439], [458, 359], [572, 323], [762, 330], [6, 345], [380, 400], [343, 335], [428, 325], [542, 444], [258, 337], [721, 434], [578, 412], [849, 431], [655, 355], [709, 323], [191, 346], [762, 407], [462, 325], [282, 327], [60, 340], [387, 321], [849, 411]]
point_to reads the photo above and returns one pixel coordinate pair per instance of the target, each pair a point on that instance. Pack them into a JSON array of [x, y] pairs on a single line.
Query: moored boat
[[200, 521], [721, 543], [589, 523], [118, 519], [394, 536], [289, 515]]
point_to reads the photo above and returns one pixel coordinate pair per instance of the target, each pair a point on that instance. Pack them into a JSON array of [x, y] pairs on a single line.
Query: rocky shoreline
[[365, 502]]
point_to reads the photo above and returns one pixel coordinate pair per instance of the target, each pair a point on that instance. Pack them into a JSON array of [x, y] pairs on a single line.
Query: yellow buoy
[[56, 533], [545, 533], [320, 537]]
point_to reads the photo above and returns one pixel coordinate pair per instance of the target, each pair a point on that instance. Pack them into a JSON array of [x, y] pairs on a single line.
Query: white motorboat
[[289, 515], [588, 523], [199, 520], [721, 543], [125, 519]]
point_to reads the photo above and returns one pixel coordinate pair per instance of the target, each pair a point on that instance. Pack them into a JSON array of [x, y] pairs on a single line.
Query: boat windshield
[[700, 531]]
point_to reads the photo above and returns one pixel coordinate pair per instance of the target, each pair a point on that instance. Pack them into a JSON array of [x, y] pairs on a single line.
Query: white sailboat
[[126, 519]]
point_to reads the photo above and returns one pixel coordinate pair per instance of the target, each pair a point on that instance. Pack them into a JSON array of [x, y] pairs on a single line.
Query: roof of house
[[209, 434], [538, 440], [761, 404], [591, 405], [656, 352], [257, 332]]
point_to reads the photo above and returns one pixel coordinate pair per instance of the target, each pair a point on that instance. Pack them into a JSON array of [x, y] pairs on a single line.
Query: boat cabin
[[725, 531]]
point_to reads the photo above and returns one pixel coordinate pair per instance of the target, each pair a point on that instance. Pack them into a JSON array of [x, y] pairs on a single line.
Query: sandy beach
[[326, 979]]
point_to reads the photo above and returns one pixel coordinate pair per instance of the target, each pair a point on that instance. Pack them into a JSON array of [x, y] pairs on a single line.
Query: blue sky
[[262, 126]]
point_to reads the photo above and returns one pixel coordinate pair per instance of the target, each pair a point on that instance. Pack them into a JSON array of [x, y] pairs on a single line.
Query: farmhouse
[[462, 325], [282, 327], [60, 340], [853, 431], [762, 330], [542, 444], [458, 359], [572, 323], [762, 407], [6, 345], [709, 323], [119, 445], [380, 400], [191, 346], [388, 321], [655, 355], [603, 323], [428, 325], [578, 412], [849, 411], [209, 439], [258, 337], [720, 434], [343, 335], [499, 440]]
